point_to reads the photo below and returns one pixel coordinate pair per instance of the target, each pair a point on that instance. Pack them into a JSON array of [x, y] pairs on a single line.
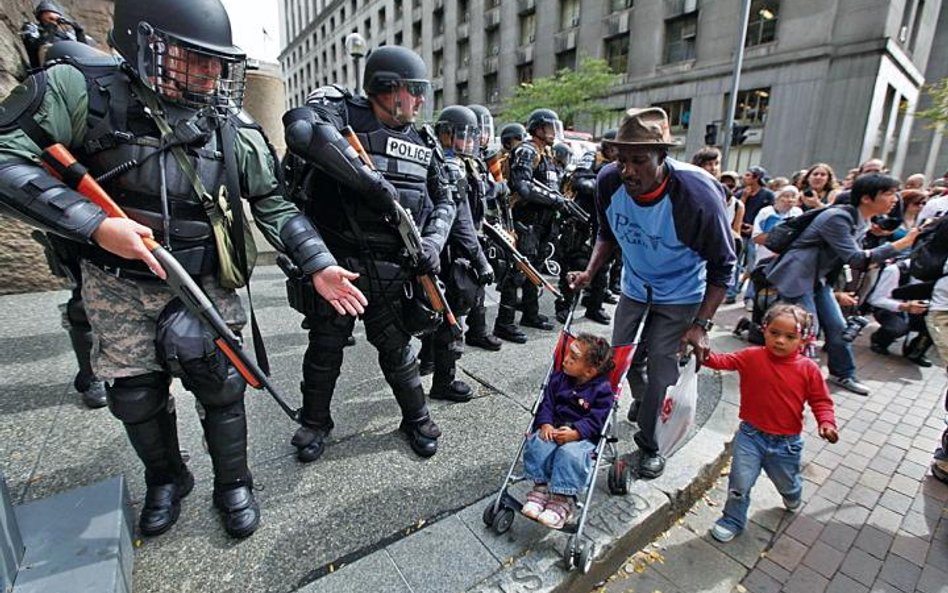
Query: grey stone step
[[78, 541]]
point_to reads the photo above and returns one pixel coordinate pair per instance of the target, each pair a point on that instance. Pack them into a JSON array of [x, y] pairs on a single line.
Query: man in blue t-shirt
[[668, 219]]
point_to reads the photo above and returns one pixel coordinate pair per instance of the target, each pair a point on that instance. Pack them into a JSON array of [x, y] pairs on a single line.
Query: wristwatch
[[705, 324]]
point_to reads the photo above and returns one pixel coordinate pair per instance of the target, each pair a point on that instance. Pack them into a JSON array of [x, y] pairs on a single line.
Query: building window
[[437, 18], [438, 100], [464, 53], [416, 34], [679, 113], [491, 89], [528, 28], [566, 60], [399, 37], [525, 73], [569, 14], [492, 43], [462, 96], [616, 52], [617, 5], [464, 12], [367, 27], [680, 36], [751, 107], [437, 58], [762, 23], [398, 9]]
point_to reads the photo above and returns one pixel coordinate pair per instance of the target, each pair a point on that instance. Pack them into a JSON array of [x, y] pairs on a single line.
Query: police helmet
[[176, 46], [562, 154], [69, 48], [391, 67], [457, 130], [47, 6], [511, 132], [485, 123], [541, 117]]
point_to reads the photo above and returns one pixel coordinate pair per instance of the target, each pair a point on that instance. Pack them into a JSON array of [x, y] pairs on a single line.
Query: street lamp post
[[735, 84], [357, 47]]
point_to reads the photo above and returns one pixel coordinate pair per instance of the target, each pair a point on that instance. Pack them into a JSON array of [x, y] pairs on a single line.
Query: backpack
[[782, 236], [930, 251]]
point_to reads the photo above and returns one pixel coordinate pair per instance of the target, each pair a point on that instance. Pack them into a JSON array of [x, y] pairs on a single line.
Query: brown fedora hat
[[646, 126]]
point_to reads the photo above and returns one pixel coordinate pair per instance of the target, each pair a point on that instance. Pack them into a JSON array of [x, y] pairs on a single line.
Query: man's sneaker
[[722, 533], [849, 384], [651, 465], [94, 397], [792, 505]]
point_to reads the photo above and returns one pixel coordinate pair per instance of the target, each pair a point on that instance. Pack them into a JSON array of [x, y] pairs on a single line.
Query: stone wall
[[22, 264]]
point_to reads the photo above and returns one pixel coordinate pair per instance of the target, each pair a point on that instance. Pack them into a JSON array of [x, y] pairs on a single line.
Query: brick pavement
[[873, 520]]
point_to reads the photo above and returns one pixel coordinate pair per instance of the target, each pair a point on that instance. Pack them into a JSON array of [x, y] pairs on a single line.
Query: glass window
[[616, 52], [680, 36], [491, 89], [762, 22], [569, 14], [525, 73], [464, 53], [617, 5], [437, 20], [464, 14], [751, 107], [528, 28], [566, 59], [679, 113], [462, 97]]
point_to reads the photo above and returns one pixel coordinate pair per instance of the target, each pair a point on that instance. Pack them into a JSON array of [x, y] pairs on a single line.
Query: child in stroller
[[558, 454]]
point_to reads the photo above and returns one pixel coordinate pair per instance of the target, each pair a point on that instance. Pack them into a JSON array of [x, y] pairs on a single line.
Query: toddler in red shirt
[[776, 382]]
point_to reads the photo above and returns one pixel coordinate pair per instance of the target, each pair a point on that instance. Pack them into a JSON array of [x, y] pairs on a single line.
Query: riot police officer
[[352, 204], [575, 244], [483, 192], [172, 107], [534, 182], [464, 267], [51, 27], [511, 135]]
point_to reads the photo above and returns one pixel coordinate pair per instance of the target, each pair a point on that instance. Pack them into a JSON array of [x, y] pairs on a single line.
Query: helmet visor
[[487, 129], [190, 75], [458, 139], [413, 101]]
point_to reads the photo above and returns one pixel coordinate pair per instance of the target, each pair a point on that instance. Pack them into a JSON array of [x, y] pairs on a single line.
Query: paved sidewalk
[[874, 519]]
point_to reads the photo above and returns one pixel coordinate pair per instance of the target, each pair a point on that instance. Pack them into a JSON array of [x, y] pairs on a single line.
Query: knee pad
[[187, 350], [230, 391], [134, 400], [399, 366]]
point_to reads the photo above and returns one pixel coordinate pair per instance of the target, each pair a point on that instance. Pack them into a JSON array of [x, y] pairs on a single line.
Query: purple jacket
[[583, 407]]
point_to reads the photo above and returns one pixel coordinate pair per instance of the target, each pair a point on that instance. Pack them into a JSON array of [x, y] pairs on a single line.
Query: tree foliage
[[938, 112], [570, 93]]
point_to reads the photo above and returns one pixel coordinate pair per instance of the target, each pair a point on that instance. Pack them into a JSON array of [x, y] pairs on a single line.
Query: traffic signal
[[711, 134], [738, 135]]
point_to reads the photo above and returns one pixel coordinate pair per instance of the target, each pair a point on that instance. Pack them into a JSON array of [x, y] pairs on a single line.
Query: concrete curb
[[459, 553]]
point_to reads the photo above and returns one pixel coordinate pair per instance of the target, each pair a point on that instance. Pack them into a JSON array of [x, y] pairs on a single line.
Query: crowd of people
[[403, 226]]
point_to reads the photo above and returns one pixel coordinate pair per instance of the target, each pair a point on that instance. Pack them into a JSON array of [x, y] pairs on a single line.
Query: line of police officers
[[163, 130]]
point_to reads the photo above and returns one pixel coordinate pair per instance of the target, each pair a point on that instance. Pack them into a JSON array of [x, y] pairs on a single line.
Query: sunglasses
[[416, 88]]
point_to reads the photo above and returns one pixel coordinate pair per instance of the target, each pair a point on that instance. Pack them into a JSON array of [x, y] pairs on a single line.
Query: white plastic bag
[[677, 414]]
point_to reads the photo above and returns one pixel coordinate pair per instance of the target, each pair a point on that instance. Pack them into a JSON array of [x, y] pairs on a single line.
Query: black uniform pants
[[529, 237], [383, 284]]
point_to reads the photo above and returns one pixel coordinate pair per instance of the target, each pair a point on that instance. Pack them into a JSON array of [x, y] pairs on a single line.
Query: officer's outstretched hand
[[430, 261], [123, 237], [578, 280], [335, 285]]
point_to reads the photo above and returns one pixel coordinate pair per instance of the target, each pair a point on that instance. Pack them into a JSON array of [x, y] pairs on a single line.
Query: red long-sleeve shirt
[[774, 389]]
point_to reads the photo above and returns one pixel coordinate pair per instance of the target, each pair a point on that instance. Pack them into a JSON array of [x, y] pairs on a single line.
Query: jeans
[[892, 326], [565, 468], [778, 455], [839, 353]]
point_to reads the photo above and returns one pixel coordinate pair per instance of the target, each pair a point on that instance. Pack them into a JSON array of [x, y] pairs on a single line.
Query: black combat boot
[[916, 349], [537, 321], [477, 334], [238, 507], [89, 387], [445, 386], [504, 327], [422, 435], [163, 504], [310, 442], [599, 316]]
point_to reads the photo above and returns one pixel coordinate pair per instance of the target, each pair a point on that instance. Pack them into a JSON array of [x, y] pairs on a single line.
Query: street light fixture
[[357, 47]]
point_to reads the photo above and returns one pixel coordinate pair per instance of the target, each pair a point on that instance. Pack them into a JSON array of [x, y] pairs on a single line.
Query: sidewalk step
[[11, 544], [80, 540]]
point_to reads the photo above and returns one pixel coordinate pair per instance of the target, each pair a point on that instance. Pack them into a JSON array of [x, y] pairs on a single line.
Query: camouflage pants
[[123, 314]]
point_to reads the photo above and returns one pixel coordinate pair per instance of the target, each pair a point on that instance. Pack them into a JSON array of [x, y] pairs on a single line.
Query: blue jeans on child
[[778, 455], [565, 468]]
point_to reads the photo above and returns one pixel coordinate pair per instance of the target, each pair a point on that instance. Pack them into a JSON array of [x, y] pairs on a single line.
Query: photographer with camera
[[832, 239], [897, 317]]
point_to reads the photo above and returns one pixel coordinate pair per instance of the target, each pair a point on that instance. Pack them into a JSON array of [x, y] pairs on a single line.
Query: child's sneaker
[[792, 505], [536, 502], [722, 534], [559, 510]]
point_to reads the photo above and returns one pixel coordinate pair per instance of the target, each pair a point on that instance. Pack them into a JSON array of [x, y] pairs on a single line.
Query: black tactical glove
[[430, 261], [485, 273]]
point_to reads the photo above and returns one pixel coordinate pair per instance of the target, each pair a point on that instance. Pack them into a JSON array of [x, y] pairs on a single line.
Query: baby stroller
[[499, 513]]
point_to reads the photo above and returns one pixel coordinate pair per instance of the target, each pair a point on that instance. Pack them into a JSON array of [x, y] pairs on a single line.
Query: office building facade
[[823, 80]]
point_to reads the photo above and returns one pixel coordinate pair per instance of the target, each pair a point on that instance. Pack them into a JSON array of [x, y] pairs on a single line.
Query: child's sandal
[[536, 501], [557, 513]]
